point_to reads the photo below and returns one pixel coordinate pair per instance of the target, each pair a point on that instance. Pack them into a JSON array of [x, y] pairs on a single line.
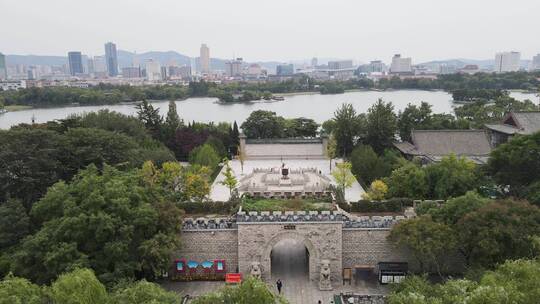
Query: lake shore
[[14, 108]]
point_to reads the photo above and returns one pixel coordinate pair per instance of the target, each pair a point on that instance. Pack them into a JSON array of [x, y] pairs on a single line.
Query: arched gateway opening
[[290, 255], [289, 260]]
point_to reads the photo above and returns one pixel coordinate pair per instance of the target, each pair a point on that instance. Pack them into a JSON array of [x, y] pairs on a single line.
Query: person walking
[[279, 285]]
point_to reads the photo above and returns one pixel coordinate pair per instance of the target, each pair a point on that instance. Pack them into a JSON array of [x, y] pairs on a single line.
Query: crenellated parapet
[[204, 223], [253, 217], [289, 216]]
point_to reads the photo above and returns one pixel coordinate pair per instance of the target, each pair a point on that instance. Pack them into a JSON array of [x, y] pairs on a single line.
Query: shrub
[[208, 207]]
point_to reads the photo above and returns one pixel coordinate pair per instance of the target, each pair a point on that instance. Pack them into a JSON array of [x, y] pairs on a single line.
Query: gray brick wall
[[368, 247], [202, 245]]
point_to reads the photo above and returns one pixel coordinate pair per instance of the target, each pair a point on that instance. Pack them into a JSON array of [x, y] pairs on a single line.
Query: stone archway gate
[[321, 233]]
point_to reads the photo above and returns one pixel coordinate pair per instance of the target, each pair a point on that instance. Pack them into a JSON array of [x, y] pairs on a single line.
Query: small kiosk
[[392, 272]]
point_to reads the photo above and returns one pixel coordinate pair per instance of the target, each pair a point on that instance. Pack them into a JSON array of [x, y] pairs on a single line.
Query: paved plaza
[[220, 192], [289, 263]]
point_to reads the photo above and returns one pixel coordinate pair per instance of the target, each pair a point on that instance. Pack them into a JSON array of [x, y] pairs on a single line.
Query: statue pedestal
[[324, 286]]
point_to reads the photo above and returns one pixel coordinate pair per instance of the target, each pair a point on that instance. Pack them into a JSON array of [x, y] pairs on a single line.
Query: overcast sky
[[275, 29]]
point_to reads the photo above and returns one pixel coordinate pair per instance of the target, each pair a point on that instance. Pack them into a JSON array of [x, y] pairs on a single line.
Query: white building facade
[[507, 62], [400, 64], [153, 70]]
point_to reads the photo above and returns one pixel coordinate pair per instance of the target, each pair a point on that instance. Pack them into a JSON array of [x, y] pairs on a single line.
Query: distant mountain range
[[482, 64], [126, 58]]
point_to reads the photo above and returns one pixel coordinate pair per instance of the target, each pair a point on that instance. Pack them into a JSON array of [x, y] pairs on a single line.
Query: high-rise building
[[339, 65], [90, 65], [75, 63], [100, 64], [234, 67], [507, 62], [400, 64], [535, 64], [284, 69], [131, 72], [111, 57], [204, 59], [153, 70], [3, 67], [314, 62]]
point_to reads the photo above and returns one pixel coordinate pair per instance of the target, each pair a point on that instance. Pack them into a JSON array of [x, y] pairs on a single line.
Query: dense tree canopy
[[430, 242], [32, 159], [112, 222], [498, 231], [81, 286], [513, 282], [517, 163]]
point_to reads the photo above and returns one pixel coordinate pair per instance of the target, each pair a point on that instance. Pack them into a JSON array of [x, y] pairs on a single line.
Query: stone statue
[[324, 281], [256, 270]]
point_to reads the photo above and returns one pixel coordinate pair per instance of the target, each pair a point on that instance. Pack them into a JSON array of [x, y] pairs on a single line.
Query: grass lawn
[[13, 108], [284, 205]]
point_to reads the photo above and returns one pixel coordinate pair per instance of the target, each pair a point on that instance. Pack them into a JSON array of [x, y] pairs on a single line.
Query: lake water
[[315, 106]]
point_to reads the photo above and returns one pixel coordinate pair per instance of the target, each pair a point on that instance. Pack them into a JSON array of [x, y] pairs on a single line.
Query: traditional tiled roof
[[435, 144], [518, 123]]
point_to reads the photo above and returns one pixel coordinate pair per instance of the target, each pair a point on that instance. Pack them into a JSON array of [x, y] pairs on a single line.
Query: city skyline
[[279, 31]]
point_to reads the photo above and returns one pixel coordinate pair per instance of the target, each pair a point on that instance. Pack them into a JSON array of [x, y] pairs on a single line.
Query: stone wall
[[202, 245], [368, 247], [322, 240]]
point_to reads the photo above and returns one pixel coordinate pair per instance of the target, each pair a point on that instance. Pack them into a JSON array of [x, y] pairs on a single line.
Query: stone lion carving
[[255, 270], [324, 280]]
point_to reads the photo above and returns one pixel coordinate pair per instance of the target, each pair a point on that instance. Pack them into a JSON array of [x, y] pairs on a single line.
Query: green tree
[[172, 121], [79, 287], [15, 223], [512, 282], [15, 290], [428, 241], [331, 150], [114, 122], [150, 118], [452, 176], [381, 126], [229, 179], [367, 166], [516, 163], [263, 124], [204, 155], [196, 186], [346, 128], [143, 292], [300, 127], [343, 176], [413, 117], [31, 160], [218, 146], [456, 208], [248, 292], [408, 181], [498, 231], [110, 221]]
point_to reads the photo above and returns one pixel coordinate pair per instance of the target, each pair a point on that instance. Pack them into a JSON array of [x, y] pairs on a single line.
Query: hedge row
[[208, 207], [390, 205]]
